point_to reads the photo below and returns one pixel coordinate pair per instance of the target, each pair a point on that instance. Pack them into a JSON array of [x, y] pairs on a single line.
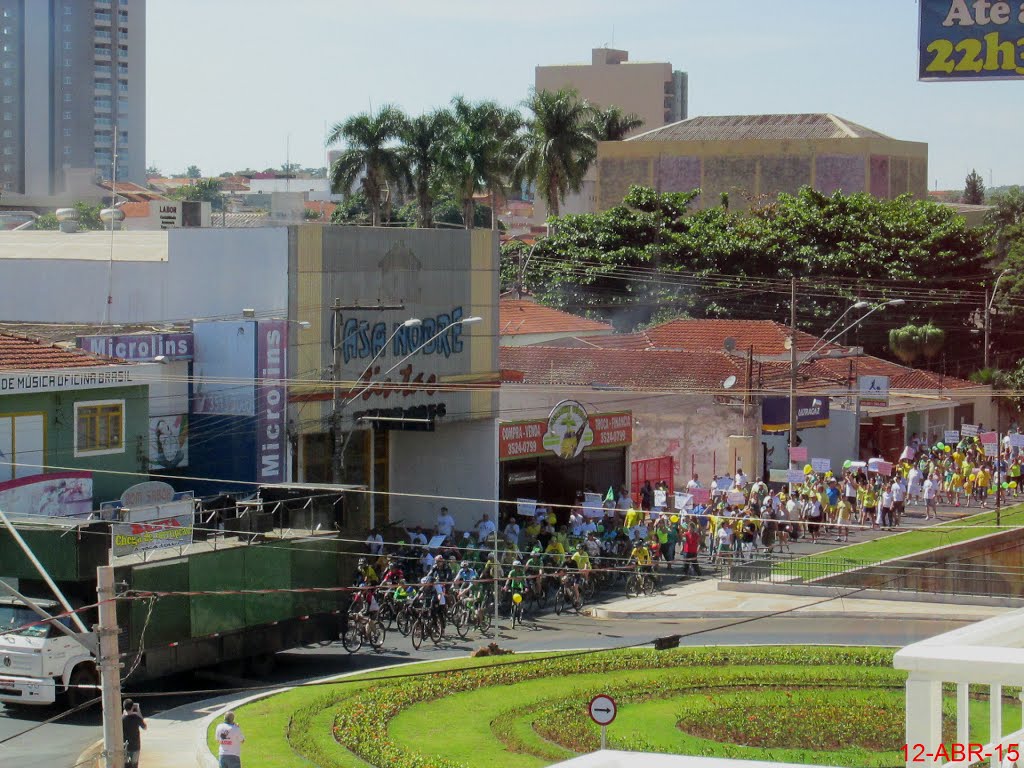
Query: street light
[[795, 363], [988, 310]]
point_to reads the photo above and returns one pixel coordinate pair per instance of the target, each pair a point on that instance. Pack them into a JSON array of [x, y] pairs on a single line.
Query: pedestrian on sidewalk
[[230, 738], [132, 726]]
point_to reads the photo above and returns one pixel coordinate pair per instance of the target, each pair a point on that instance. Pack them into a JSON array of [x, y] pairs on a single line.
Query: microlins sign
[[141, 346], [971, 40], [271, 400], [439, 335]]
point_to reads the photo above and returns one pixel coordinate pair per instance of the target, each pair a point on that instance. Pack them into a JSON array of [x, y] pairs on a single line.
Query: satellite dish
[[729, 383], [729, 344]]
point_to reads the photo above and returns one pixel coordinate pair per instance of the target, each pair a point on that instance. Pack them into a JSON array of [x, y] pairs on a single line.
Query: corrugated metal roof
[[764, 127]]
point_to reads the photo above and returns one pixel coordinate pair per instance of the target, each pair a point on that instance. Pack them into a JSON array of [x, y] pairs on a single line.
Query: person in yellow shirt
[[555, 551], [982, 485], [641, 555], [633, 518], [956, 488], [969, 480]]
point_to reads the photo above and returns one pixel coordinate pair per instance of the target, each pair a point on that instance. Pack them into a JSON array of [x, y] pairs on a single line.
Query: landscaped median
[[839, 706], [899, 545]]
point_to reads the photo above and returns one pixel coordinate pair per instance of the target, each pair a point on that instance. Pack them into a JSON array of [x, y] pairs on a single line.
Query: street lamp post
[[796, 362], [990, 299]]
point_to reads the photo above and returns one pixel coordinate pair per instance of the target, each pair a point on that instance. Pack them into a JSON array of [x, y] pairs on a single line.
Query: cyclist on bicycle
[[491, 571], [464, 580], [641, 555], [569, 577], [516, 581], [555, 551], [393, 574], [582, 559], [534, 570], [365, 573]]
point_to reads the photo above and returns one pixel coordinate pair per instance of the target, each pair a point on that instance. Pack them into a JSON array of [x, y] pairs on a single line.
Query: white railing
[[989, 653]]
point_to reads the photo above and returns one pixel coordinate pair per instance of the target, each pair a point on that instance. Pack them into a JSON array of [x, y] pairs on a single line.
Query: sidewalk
[[703, 600]]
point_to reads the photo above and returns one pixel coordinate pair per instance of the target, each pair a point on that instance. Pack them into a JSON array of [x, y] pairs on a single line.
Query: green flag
[[610, 496]]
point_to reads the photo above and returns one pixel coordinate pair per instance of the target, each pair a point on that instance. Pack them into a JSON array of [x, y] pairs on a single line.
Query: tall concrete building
[[71, 73], [653, 90]]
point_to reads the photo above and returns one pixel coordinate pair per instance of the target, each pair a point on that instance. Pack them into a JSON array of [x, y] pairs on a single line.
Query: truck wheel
[[83, 674]]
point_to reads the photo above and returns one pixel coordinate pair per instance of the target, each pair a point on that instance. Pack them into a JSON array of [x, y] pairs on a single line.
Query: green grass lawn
[[515, 719], [900, 544]]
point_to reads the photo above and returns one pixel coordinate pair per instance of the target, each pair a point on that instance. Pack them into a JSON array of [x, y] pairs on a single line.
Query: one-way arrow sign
[[602, 709]]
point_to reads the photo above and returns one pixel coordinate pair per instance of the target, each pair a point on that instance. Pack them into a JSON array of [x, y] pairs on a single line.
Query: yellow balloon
[[552, 519], [517, 598], [808, 469], [675, 518], [1013, 483]]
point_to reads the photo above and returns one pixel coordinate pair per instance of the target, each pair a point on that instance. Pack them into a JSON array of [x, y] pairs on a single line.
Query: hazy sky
[[230, 80]]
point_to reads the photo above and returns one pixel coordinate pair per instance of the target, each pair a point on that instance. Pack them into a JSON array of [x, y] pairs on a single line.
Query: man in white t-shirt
[[485, 528], [511, 532], [931, 487], [445, 522], [694, 483], [741, 480], [229, 740]]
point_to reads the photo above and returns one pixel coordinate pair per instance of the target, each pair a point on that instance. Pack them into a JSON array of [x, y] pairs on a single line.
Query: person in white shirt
[[899, 497], [914, 485], [229, 739], [741, 480], [485, 528], [694, 483], [511, 533], [445, 522], [931, 487], [885, 508], [375, 543], [417, 536]]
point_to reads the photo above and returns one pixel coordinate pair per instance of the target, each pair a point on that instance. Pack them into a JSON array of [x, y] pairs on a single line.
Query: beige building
[[652, 90], [754, 156]]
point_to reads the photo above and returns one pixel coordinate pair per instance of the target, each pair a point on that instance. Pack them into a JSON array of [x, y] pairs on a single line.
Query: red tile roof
[[766, 336], [651, 370], [22, 353], [525, 316], [900, 376]]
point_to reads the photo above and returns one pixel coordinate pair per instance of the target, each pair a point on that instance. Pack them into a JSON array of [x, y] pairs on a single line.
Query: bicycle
[[426, 624], [363, 629], [640, 583], [565, 596]]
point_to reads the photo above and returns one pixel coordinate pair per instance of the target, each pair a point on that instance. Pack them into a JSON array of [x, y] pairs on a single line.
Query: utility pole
[[988, 321], [338, 459], [999, 459], [109, 664], [792, 363]]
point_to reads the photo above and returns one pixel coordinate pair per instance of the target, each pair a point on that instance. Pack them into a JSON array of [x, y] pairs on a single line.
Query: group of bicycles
[[444, 605]]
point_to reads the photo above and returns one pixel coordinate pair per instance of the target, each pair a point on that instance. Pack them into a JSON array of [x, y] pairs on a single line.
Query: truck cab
[[37, 661]]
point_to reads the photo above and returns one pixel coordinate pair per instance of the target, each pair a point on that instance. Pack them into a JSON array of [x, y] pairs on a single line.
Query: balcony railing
[[988, 654]]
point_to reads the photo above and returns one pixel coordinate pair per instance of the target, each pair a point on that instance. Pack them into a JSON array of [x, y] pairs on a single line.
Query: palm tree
[[370, 157], [613, 124], [422, 140], [558, 145], [480, 152]]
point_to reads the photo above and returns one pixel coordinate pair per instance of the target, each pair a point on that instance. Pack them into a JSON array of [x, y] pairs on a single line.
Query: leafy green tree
[[47, 221], [480, 152], [193, 172], [652, 253], [559, 144], [423, 138], [974, 189], [612, 124], [202, 190], [371, 156], [88, 216], [446, 210], [153, 171], [353, 210]]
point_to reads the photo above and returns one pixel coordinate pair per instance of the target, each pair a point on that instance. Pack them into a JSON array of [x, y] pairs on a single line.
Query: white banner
[[969, 430], [593, 505], [1017, 440], [133, 538], [683, 501], [526, 507], [821, 465], [735, 498], [795, 476], [951, 436]]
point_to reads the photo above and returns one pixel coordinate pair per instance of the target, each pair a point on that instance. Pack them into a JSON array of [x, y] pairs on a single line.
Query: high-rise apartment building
[[72, 72], [654, 91]]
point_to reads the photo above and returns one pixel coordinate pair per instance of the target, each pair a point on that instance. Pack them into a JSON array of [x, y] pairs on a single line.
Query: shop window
[[99, 428], [22, 445]]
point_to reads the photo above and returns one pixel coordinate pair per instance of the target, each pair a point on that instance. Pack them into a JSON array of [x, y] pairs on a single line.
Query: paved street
[[60, 744]]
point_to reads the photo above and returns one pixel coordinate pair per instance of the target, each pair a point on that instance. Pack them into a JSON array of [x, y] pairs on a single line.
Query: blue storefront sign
[[971, 40], [810, 412]]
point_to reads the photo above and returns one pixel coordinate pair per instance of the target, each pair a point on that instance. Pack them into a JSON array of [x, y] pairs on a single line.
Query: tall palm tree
[[558, 147], [370, 157], [613, 124], [423, 139], [477, 153]]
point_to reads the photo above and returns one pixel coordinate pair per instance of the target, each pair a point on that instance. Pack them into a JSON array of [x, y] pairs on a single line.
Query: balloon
[[517, 598], [675, 518], [847, 464], [941, 446], [552, 519], [1005, 486], [829, 473], [808, 469], [1013, 483], [948, 449]]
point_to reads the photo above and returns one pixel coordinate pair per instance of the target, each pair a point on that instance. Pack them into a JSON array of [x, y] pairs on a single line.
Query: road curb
[[599, 613], [90, 754]]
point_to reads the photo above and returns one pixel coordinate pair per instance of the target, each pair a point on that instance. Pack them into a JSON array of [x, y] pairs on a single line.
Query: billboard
[[224, 368], [152, 528], [271, 400], [810, 412], [530, 439], [969, 40], [168, 442], [140, 347], [58, 494]]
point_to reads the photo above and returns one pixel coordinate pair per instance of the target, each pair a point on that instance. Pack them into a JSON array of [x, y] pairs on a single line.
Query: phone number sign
[[971, 40]]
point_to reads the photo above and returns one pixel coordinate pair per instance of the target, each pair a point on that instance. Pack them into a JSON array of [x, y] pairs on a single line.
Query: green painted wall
[[59, 411]]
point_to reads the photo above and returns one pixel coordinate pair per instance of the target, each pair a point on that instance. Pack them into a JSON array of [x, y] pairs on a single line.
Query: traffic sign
[[602, 709]]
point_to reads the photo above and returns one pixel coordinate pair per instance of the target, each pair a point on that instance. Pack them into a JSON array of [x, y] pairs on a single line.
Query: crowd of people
[[645, 531]]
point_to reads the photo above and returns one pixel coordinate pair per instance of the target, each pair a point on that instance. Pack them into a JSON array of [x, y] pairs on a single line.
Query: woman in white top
[[914, 485]]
